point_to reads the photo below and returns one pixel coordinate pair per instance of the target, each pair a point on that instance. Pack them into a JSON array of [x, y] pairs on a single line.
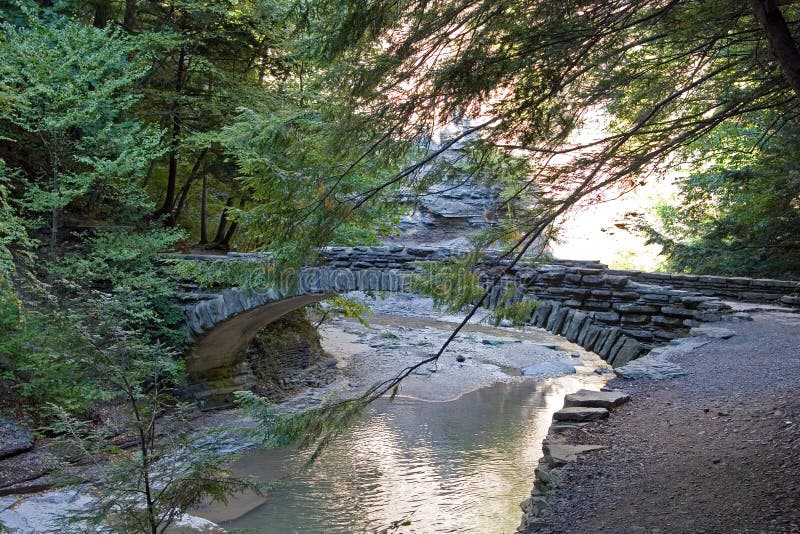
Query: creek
[[460, 465]]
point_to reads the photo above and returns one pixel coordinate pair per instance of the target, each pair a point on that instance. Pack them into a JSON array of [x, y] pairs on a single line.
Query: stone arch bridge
[[619, 315]]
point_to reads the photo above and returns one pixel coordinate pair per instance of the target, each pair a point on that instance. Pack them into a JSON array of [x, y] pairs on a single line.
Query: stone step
[[559, 454], [579, 414], [596, 399]]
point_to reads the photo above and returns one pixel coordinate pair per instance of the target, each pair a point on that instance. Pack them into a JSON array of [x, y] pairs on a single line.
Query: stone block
[[711, 280], [759, 296], [676, 311], [659, 320], [607, 317], [556, 320], [615, 348], [552, 277], [630, 350], [560, 454], [616, 281], [580, 414], [593, 280], [604, 350], [596, 305], [693, 301], [635, 318], [790, 300], [642, 334], [585, 328], [596, 399], [635, 308], [655, 297], [592, 333], [575, 325], [541, 314], [774, 284], [567, 321], [712, 331]]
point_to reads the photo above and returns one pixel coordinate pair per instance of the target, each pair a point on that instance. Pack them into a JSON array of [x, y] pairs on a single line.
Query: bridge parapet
[[620, 315], [759, 290]]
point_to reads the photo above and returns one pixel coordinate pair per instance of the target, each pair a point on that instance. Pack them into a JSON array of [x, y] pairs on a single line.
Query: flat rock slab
[[596, 399], [558, 454], [712, 331], [21, 468], [650, 368], [14, 438], [564, 426], [580, 414]]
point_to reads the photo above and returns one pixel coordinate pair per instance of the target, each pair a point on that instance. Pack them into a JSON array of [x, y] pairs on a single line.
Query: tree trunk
[[223, 221], [56, 211], [204, 211], [129, 19], [780, 39], [102, 12], [226, 241], [187, 185], [172, 175]]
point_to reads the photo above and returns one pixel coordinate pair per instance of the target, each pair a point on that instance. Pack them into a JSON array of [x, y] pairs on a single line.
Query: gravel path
[[715, 451]]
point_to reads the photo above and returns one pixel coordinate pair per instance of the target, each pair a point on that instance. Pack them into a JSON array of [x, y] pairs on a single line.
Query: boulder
[[14, 438], [580, 414], [596, 399]]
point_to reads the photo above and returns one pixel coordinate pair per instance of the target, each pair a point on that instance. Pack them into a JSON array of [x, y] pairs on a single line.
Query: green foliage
[[169, 471], [120, 271], [303, 198], [65, 88], [349, 307], [586, 96], [518, 313], [452, 284], [45, 361], [314, 428], [739, 214]]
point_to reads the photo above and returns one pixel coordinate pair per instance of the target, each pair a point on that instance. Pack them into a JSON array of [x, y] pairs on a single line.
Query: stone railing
[[758, 290]]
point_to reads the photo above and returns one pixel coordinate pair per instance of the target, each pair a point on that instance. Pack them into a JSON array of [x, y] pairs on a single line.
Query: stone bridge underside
[[620, 315]]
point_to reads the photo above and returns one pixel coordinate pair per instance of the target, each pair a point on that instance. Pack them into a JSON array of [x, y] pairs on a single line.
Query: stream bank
[[716, 450]]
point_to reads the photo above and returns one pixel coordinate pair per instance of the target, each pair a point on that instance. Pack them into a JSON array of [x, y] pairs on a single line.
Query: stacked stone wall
[[618, 314], [758, 290]]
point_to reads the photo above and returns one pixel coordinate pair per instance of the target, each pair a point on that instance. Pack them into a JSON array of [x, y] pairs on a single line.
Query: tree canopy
[[659, 76]]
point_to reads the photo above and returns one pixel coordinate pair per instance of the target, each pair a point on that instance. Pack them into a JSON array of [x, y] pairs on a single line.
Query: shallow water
[[459, 466]]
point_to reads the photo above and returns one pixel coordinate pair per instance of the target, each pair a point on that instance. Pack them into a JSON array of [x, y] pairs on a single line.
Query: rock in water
[[596, 399], [14, 438], [580, 414]]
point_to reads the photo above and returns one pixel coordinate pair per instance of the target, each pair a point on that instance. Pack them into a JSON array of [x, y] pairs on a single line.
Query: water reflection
[[459, 466]]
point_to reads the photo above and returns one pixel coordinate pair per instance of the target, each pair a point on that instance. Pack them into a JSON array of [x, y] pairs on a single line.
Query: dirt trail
[[715, 451]]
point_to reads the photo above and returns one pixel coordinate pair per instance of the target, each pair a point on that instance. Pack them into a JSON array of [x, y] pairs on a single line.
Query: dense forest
[[132, 128]]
